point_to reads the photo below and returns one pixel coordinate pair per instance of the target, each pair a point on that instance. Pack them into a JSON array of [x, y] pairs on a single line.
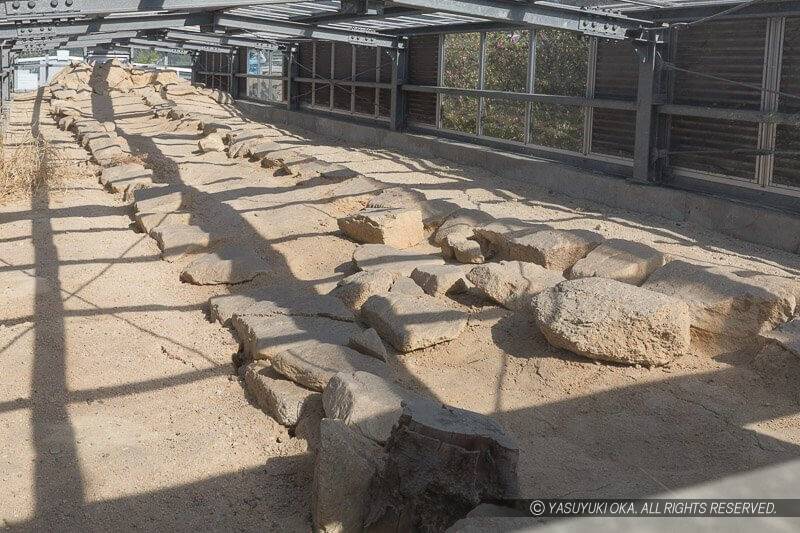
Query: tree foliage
[[561, 63]]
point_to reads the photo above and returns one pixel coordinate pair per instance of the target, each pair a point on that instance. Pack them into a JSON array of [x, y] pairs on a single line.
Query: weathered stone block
[[413, 322], [400, 228], [513, 284], [281, 399], [626, 261], [313, 364], [613, 321]]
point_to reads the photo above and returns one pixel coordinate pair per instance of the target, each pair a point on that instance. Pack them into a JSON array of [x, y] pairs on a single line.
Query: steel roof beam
[[148, 43], [294, 30], [220, 39], [338, 18], [45, 9], [589, 21], [83, 27]]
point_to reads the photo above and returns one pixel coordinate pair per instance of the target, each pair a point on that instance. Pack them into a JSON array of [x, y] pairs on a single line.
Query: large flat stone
[[434, 212], [787, 336], [147, 222], [407, 286], [400, 228], [614, 321], [462, 249], [161, 200], [400, 262], [513, 284], [356, 289], [281, 399], [222, 308], [224, 267], [368, 342], [313, 364], [178, 240], [728, 301], [495, 234], [551, 248], [263, 337], [462, 223], [368, 403], [296, 302], [413, 322], [626, 261], [126, 178], [439, 280], [344, 468]]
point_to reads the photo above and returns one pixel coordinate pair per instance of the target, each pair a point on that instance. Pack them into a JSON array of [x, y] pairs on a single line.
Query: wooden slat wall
[[616, 77], [423, 66], [729, 49], [787, 166]]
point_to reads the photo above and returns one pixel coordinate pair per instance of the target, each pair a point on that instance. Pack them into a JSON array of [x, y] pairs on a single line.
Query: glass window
[[461, 60], [561, 62], [557, 126], [506, 61], [265, 63], [460, 113]]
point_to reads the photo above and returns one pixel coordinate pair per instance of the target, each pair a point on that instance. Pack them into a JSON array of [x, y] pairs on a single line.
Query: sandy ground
[[119, 408]]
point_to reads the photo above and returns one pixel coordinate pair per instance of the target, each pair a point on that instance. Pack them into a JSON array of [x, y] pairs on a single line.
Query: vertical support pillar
[[771, 82], [530, 84], [481, 81], [292, 73], [440, 79], [353, 79], [397, 113], [645, 124], [234, 67], [588, 117]]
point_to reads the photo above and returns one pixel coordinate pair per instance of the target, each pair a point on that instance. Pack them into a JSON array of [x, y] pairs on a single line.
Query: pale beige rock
[[365, 402], [400, 228], [372, 257], [462, 223], [787, 336], [121, 173], [161, 200], [495, 234], [147, 222], [407, 286], [264, 336], [551, 248], [224, 267], [413, 322], [354, 290], [513, 284], [626, 261], [727, 301], [344, 468], [368, 342], [211, 143], [462, 249], [313, 364], [177, 240], [614, 321], [439, 280], [281, 399], [434, 212]]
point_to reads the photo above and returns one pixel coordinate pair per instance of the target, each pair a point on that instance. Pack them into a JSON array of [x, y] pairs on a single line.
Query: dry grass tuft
[[27, 166]]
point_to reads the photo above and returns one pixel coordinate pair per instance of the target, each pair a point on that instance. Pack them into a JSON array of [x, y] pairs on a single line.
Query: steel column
[[292, 73], [645, 99], [771, 81], [397, 114]]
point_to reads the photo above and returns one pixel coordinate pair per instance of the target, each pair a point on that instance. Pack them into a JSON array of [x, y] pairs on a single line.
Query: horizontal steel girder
[[219, 39], [293, 30], [151, 43], [588, 21], [84, 27], [44, 9]]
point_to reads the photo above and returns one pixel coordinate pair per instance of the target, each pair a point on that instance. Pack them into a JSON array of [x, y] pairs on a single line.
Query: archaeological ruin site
[[400, 266]]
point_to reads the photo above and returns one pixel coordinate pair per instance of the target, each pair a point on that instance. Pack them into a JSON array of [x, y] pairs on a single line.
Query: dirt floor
[[120, 408]]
